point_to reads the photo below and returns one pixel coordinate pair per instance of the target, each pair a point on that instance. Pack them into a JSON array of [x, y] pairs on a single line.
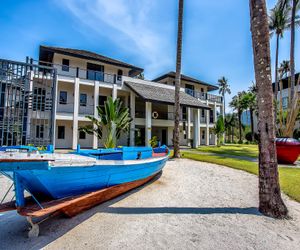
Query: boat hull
[[63, 181]]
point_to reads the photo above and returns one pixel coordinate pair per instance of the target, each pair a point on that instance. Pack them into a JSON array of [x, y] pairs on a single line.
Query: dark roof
[[46, 54], [172, 74], [285, 82], [164, 95]]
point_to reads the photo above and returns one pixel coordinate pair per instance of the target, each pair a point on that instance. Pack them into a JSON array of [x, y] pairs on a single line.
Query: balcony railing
[[204, 96], [70, 71], [69, 108]]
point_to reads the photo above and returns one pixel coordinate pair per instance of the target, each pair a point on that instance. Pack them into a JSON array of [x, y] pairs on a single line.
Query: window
[[120, 73], [202, 113], [95, 72], [39, 131], [202, 90], [211, 116], [284, 102], [102, 100], [65, 64], [82, 135], [184, 113], [61, 132], [39, 99], [203, 135], [83, 99], [63, 97]]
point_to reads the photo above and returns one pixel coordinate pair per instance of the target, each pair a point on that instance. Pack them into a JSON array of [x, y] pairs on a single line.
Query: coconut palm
[[294, 4], [224, 88], [230, 123], [177, 82], [113, 121], [279, 21], [249, 102], [270, 201], [238, 106]]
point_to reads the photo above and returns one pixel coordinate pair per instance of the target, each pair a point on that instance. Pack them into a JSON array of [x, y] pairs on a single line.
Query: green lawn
[[232, 149], [289, 177]]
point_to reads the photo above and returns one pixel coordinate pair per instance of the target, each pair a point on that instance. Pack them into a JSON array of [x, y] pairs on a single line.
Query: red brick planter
[[288, 150]]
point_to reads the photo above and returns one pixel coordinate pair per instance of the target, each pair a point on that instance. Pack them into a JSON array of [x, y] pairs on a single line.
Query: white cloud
[[128, 24]]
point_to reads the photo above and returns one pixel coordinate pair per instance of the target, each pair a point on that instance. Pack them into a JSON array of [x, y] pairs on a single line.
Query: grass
[[232, 149], [289, 177]]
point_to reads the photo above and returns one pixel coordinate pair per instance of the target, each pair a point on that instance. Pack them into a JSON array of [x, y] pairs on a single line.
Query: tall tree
[[224, 88], [270, 201], [177, 81], [279, 21], [239, 106], [295, 5], [249, 102]]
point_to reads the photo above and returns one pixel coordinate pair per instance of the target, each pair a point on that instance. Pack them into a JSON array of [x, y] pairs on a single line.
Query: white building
[[86, 79]]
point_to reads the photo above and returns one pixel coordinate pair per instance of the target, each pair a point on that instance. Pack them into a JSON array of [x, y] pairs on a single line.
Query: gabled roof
[[172, 74], [161, 94], [46, 54]]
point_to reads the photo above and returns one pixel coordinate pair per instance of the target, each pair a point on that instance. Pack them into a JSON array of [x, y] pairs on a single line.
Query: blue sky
[[216, 42]]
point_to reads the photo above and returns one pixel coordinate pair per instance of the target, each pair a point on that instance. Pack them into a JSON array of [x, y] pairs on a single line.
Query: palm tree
[[295, 6], [230, 122], [113, 121], [249, 102], [238, 105], [224, 88], [270, 201], [279, 21], [177, 82]]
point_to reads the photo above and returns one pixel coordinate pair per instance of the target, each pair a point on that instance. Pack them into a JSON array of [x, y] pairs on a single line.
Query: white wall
[[67, 142]]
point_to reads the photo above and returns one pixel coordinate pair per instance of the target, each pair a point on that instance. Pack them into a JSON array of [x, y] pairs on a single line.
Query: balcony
[[69, 71], [68, 108], [204, 96]]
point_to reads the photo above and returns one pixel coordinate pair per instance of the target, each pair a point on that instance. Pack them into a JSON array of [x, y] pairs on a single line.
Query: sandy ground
[[192, 205]]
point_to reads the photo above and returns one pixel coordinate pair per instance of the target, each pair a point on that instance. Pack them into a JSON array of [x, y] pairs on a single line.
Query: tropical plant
[[224, 88], [248, 101], [153, 142], [219, 129], [176, 132], [237, 104], [113, 121], [230, 123], [270, 201], [279, 21]]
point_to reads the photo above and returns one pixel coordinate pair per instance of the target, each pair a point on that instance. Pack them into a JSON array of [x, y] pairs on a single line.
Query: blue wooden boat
[[63, 177]]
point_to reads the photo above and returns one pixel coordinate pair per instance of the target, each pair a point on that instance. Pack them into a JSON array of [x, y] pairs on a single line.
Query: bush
[[248, 137]]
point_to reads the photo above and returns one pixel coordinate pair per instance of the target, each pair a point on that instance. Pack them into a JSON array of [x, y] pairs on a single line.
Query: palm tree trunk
[[270, 201], [177, 82], [276, 69], [292, 49]]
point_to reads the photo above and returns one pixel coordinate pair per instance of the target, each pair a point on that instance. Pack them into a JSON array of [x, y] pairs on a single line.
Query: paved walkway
[[193, 205]]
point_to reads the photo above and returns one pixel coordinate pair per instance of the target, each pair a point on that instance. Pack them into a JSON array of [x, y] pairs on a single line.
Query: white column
[[115, 92], [215, 121], [132, 115], [196, 138], [75, 113], [29, 126], [207, 128], [96, 103], [188, 135], [148, 123]]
